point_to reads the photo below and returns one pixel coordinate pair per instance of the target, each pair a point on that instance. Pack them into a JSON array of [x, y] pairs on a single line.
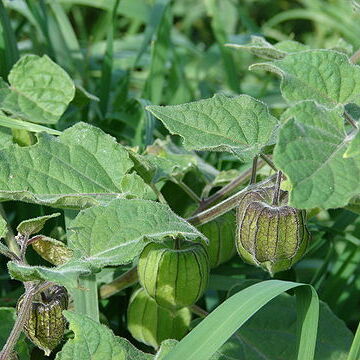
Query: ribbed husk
[[221, 235], [151, 324], [46, 324], [273, 237], [175, 278]]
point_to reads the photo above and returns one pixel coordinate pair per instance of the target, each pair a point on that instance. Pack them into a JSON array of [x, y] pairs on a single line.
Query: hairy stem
[[350, 120], [276, 198], [123, 281], [224, 206], [269, 162], [187, 190], [253, 170], [30, 291], [227, 189]]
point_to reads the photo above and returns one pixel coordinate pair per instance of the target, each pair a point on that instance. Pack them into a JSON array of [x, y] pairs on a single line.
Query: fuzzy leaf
[[310, 151], [96, 341], [116, 233], [66, 275], [53, 251], [258, 46], [39, 90], [240, 125], [324, 76], [81, 168], [33, 226]]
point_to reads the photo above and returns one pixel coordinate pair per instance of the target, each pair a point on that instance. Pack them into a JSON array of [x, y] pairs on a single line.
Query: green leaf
[[354, 148], [6, 138], [81, 168], [165, 347], [34, 225], [66, 275], [277, 338], [92, 341], [207, 337], [260, 47], [39, 90], [7, 316], [310, 151], [354, 204], [116, 233], [3, 227], [240, 125], [11, 123], [52, 250], [324, 76]]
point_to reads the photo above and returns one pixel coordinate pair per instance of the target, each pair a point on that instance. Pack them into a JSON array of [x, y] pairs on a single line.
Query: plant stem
[[276, 198], [199, 311], [158, 193], [187, 189], [350, 120], [24, 312], [227, 189], [268, 161], [125, 280], [224, 206], [355, 57], [253, 170], [86, 297]]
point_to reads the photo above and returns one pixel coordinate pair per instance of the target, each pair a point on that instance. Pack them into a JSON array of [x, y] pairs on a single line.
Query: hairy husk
[[221, 234], [174, 278], [46, 324], [151, 324], [273, 237]]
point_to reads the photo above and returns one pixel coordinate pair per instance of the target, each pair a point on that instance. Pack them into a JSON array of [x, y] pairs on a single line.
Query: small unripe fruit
[[221, 235], [174, 278], [46, 325], [271, 236], [151, 324]]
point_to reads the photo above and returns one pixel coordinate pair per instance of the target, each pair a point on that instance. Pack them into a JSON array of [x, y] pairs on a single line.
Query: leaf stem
[[224, 206], [199, 311], [253, 170], [269, 162], [227, 189], [350, 120], [123, 281], [276, 198], [355, 57], [187, 190], [23, 314]]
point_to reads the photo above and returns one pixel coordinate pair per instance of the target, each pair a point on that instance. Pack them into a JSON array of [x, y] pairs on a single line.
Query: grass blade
[[354, 353], [218, 326], [10, 51]]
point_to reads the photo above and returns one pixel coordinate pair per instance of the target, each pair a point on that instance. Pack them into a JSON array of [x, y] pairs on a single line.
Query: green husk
[[151, 324], [174, 278], [273, 237], [46, 324]]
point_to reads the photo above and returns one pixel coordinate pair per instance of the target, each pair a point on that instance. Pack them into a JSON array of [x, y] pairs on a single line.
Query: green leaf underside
[[113, 234], [81, 168], [39, 91], [116, 233], [33, 226], [325, 76], [258, 46], [240, 125], [310, 151], [271, 334], [66, 275]]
